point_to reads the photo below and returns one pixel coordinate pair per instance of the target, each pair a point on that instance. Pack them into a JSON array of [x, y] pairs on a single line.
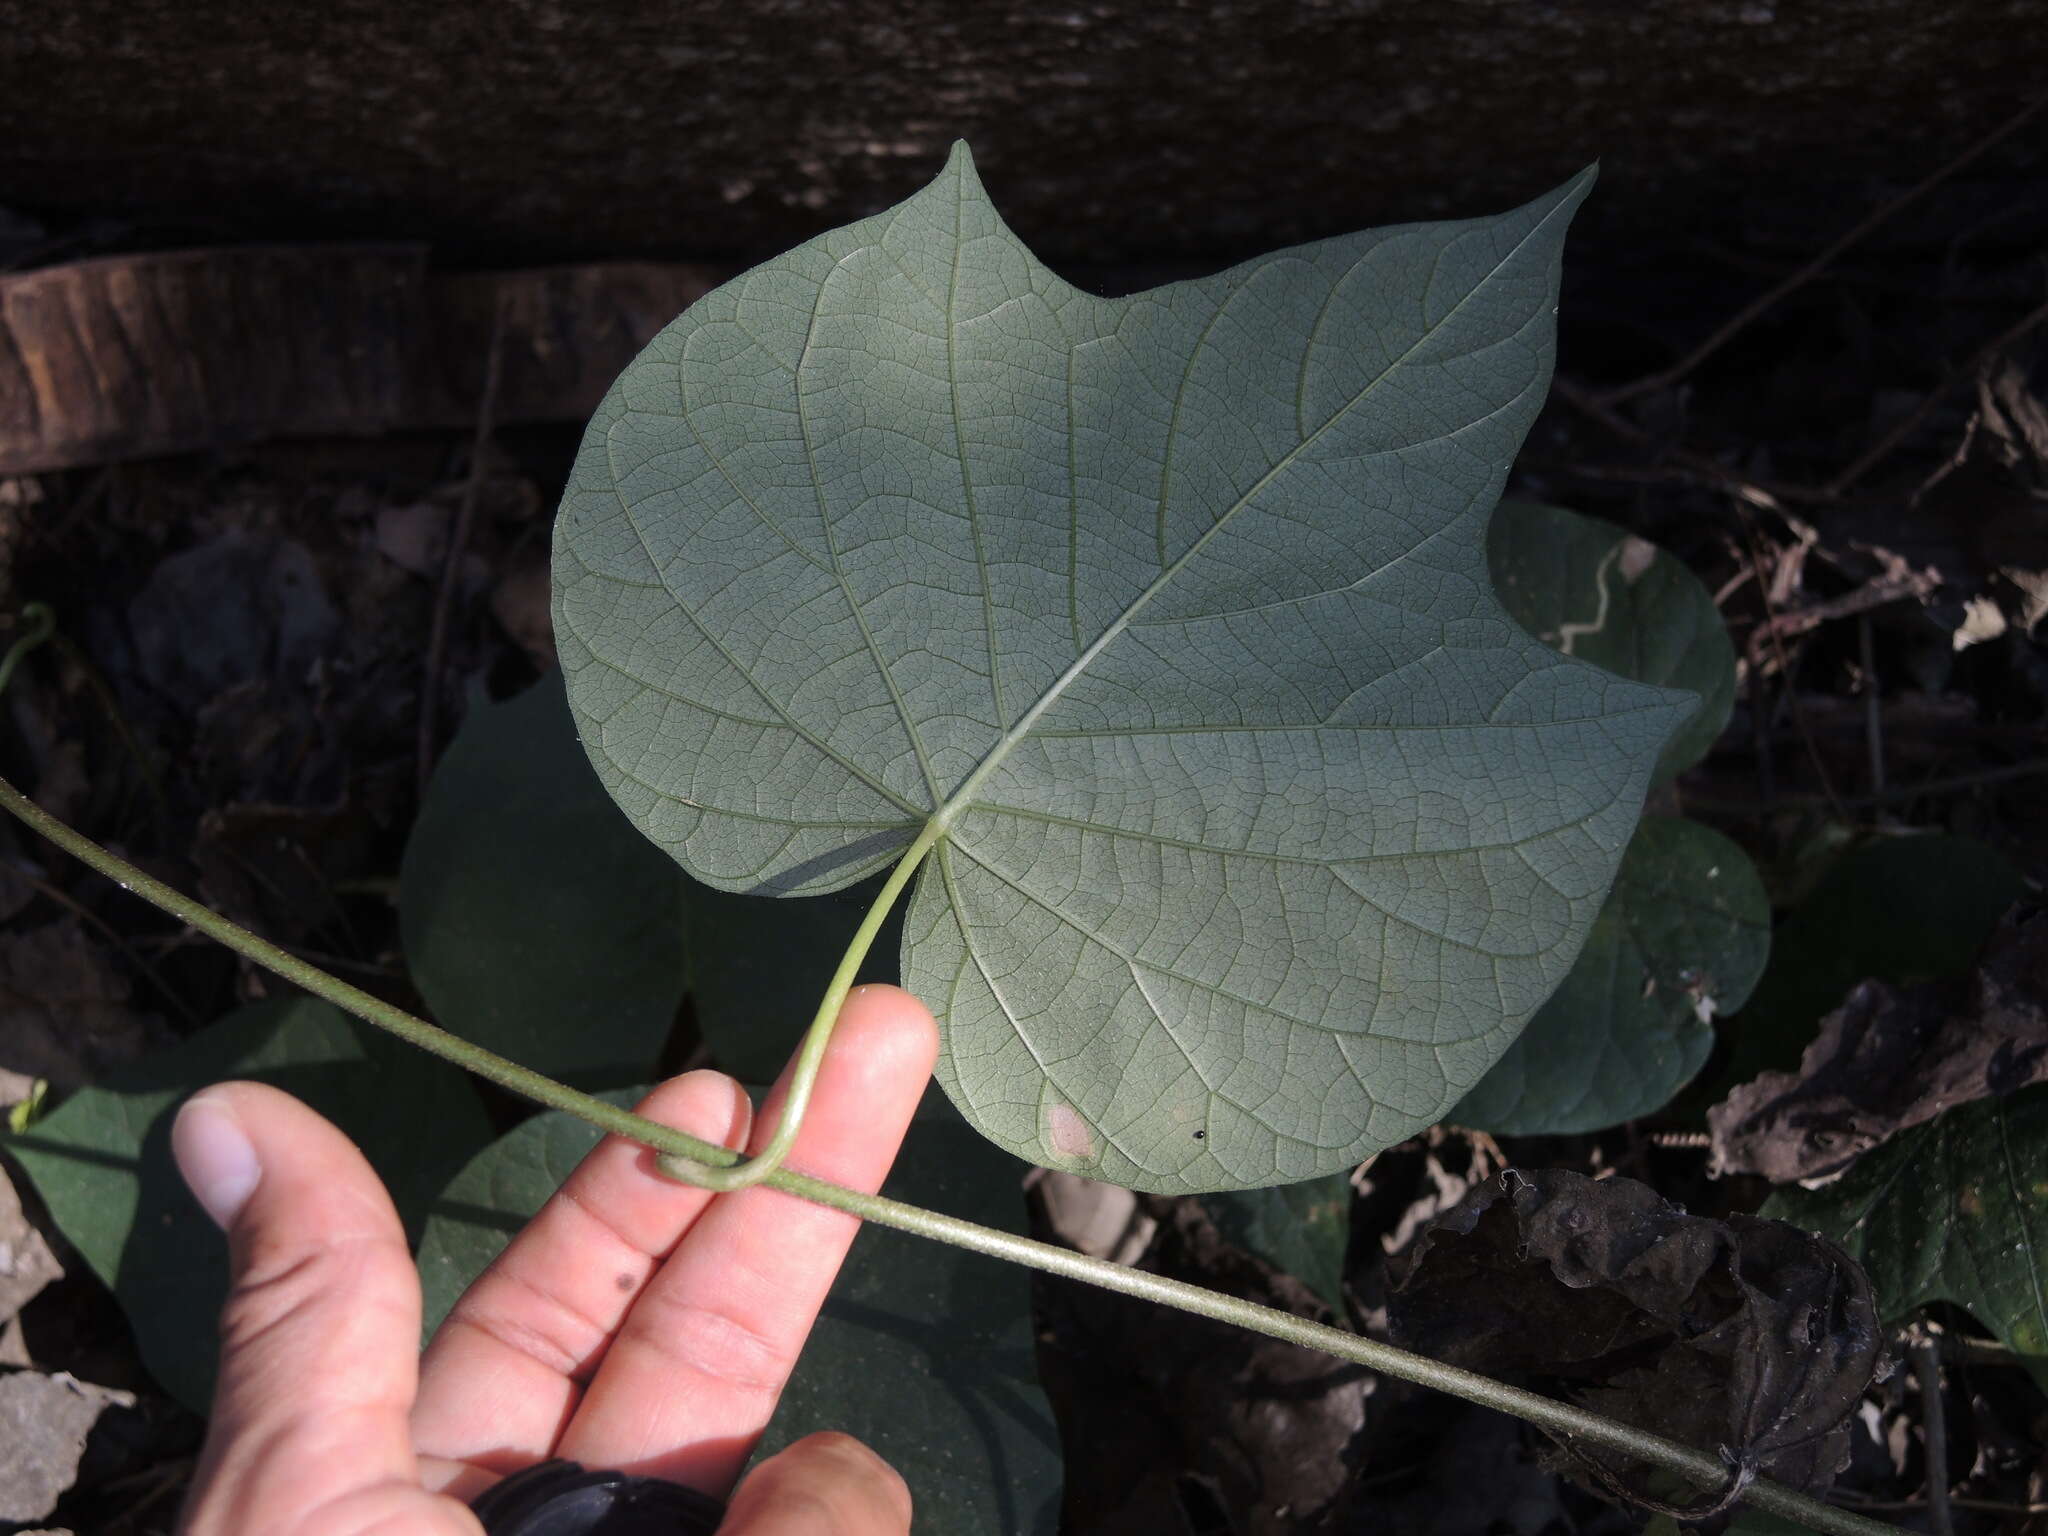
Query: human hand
[[635, 1323]]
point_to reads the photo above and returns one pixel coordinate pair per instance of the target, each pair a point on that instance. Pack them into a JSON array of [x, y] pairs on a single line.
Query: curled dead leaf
[[1894, 1057], [1742, 1334]]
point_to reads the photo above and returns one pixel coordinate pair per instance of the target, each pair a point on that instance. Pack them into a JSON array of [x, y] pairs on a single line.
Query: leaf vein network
[[788, 721], [853, 604]]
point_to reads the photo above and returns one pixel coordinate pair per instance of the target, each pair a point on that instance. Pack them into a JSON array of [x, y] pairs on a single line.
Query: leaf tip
[[1575, 190], [960, 166]]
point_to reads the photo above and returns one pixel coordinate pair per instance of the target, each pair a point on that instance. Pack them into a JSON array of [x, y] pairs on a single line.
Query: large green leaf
[[1953, 1210], [1265, 828], [536, 920], [102, 1160], [1600, 593], [1684, 934], [923, 1351]]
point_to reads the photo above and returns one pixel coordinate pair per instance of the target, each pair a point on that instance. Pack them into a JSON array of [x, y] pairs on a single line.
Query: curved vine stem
[[811, 1054], [1573, 1426]]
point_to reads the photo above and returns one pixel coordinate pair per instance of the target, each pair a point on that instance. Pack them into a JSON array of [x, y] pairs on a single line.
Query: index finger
[[694, 1375]]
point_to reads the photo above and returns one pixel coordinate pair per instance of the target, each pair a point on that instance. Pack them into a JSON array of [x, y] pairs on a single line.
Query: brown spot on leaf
[[1070, 1134]]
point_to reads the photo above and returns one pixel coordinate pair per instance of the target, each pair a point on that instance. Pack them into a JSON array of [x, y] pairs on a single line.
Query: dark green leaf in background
[[1954, 1210], [537, 921], [923, 1351], [1684, 934], [495, 1194], [1304, 1229], [1900, 910], [759, 966], [102, 1160], [1265, 828], [1599, 593]]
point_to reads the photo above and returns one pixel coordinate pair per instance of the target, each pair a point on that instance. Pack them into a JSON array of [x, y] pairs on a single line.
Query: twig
[[458, 544], [1875, 593], [1986, 1352], [78, 909], [1884, 211], [1914, 1506], [1934, 1432], [1777, 643], [1771, 496], [1888, 796], [1873, 707], [1904, 427]]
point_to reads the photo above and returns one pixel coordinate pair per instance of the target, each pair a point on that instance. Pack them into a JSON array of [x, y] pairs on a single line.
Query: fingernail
[[216, 1157]]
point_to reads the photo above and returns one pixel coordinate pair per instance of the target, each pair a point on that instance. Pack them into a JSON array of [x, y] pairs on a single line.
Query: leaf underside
[[1265, 827]]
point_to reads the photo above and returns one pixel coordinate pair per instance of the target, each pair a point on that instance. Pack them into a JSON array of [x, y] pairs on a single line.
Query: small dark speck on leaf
[[1199, 1135]]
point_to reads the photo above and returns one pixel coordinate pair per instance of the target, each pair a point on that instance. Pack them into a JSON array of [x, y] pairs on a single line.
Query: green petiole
[[810, 1057]]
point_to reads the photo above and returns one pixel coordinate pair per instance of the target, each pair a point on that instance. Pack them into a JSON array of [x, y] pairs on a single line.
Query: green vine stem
[[1574, 1427]]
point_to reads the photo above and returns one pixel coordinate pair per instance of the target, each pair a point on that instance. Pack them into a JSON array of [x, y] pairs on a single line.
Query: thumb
[[824, 1485], [320, 1334]]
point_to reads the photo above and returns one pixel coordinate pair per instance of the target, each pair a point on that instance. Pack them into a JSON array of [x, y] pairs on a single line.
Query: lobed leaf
[[1264, 827]]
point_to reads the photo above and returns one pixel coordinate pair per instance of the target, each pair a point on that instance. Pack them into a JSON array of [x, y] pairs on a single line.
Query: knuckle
[[715, 1342], [280, 1282]]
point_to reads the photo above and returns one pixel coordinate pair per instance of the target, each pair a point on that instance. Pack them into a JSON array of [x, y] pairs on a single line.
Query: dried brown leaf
[[1893, 1057], [1745, 1334]]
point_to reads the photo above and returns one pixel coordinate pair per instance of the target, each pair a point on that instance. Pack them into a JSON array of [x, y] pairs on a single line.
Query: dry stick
[[458, 542], [1874, 593], [1891, 795], [1560, 1420], [1915, 1506], [1934, 1431], [1770, 496], [78, 909], [1904, 428], [1791, 694], [1743, 317], [1873, 708]]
